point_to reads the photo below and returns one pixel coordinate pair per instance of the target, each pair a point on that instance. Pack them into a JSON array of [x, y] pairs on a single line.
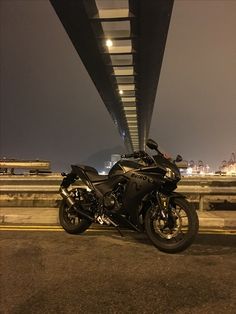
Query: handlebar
[[138, 154], [127, 156]]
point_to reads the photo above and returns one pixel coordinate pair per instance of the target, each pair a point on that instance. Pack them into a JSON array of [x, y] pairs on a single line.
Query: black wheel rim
[[71, 217], [174, 227]]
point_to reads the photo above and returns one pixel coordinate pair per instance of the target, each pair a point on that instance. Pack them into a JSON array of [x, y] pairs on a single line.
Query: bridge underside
[[121, 43]]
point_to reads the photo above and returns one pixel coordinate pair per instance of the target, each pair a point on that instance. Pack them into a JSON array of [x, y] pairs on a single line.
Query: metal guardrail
[[35, 166], [210, 192], [42, 191]]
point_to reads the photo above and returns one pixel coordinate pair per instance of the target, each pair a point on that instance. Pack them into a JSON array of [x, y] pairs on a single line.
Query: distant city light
[[202, 169], [109, 43], [102, 172]]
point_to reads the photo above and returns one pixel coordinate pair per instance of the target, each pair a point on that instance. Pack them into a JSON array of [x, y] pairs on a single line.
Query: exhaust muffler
[[70, 201]]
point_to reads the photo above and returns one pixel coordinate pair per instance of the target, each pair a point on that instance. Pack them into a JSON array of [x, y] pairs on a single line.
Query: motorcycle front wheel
[[174, 231], [70, 221]]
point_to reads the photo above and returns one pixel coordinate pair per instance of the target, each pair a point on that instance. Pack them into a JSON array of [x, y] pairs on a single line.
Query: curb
[[217, 223], [49, 216]]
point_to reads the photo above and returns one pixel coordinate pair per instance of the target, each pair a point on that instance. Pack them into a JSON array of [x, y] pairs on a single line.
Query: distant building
[[115, 158], [109, 164], [199, 168], [229, 167]]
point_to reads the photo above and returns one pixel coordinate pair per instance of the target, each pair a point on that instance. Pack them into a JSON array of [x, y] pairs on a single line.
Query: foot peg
[[105, 219]]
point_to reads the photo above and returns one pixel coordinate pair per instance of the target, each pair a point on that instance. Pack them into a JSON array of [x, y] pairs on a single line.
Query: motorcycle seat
[[93, 177], [90, 172]]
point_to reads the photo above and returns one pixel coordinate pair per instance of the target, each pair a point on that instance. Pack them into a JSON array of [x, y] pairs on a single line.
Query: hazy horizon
[[51, 110]]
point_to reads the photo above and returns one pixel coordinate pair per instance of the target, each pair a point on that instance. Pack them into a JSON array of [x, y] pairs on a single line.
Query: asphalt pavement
[[101, 272]]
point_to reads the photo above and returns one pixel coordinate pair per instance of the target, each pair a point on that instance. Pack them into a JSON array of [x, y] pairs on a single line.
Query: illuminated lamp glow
[[128, 99], [130, 108], [109, 43], [132, 121]]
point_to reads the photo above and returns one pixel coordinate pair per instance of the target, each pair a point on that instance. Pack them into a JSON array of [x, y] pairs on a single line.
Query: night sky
[[51, 110]]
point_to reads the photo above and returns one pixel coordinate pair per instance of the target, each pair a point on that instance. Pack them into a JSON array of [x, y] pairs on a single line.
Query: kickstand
[[109, 221], [118, 229]]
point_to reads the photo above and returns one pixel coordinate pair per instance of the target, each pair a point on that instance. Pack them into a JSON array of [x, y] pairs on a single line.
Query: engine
[[113, 200], [110, 201]]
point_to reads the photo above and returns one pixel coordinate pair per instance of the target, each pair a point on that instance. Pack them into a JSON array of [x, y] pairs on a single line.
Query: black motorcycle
[[137, 193]]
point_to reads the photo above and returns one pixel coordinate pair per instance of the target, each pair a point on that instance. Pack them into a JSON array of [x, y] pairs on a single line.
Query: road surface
[[100, 272]]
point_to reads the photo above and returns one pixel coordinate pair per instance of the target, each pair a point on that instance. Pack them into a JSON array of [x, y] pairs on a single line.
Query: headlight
[[169, 174]]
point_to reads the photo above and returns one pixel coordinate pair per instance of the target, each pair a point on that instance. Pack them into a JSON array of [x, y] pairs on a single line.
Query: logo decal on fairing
[[142, 177]]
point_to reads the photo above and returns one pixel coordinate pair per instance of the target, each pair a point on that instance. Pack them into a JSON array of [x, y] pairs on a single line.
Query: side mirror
[[152, 144], [178, 158]]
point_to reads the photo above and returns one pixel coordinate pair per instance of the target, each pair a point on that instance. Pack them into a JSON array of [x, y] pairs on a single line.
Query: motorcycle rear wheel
[[176, 233], [70, 221]]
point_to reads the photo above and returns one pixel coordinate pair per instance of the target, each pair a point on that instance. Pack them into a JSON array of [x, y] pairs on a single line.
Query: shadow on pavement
[[204, 244], [213, 244]]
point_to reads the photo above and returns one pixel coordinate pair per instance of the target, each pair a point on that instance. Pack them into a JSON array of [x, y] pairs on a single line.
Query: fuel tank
[[123, 166]]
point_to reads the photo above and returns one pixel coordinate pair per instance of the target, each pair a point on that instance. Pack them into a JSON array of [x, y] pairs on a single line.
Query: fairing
[[123, 166], [140, 183]]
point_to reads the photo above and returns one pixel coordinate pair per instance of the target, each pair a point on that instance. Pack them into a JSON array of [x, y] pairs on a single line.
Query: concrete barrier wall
[[42, 191], [210, 192], [30, 191]]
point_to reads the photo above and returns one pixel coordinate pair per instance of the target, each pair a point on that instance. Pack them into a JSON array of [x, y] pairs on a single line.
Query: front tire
[[70, 221], [177, 230]]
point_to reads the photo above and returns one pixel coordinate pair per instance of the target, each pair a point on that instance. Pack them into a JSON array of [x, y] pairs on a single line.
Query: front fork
[[163, 204], [163, 212]]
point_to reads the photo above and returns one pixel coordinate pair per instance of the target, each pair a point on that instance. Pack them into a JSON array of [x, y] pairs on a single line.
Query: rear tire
[[70, 221], [173, 235]]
